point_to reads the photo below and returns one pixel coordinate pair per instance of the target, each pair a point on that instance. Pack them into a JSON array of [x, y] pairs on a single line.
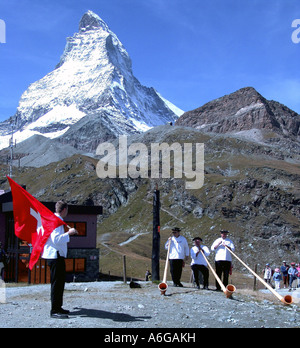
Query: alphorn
[[164, 286], [229, 289], [287, 300]]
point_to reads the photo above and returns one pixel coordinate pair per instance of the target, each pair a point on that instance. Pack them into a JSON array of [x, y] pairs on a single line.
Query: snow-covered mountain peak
[[92, 84], [91, 21]]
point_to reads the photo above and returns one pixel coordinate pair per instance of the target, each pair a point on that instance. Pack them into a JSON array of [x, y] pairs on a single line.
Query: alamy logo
[[296, 33], [156, 161], [2, 31]]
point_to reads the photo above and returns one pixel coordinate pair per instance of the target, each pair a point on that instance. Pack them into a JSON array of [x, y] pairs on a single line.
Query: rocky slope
[[249, 189], [243, 110], [248, 115], [251, 185]]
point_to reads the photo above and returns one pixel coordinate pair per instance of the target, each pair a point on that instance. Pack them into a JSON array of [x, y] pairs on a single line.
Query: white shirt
[[268, 273], [57, 242], [222, 253], [199, 260], [179, 248]]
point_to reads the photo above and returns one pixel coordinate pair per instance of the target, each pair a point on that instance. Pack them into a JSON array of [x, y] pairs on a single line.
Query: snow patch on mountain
[[67, 115], [58, 119]]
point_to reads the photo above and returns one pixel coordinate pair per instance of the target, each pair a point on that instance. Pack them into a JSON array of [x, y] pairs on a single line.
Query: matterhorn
[[91, 95]]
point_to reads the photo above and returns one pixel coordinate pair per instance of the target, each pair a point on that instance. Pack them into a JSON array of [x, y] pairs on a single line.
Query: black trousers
[[176, 270], [204, 270], [222, 267], [58, 279]]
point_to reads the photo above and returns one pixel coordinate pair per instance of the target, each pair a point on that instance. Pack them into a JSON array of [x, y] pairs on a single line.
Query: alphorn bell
[[287, 300], [229, 289], [164, 286]]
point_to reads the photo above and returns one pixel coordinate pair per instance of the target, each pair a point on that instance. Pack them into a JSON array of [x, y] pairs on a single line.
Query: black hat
[[176, 229], [224, 231], [197, 238]]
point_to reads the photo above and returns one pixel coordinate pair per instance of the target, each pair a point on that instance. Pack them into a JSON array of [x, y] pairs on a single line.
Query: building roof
[[7, 206]]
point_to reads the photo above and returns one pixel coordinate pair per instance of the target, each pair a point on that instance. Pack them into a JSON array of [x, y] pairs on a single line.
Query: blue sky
[[190, 51]]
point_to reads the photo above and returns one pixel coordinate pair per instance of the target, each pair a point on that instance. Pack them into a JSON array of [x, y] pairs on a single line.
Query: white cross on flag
[[33, 221]]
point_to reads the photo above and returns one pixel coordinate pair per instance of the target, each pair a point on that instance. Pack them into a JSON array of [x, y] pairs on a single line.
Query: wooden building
[[82, 263]]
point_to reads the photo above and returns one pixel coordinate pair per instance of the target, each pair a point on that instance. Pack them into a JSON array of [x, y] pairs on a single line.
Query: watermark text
[[155, 161], [296, 33], [2, 31]]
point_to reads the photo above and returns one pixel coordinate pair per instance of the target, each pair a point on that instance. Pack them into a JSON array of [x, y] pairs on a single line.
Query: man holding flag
[[37, 225], [55, 252]]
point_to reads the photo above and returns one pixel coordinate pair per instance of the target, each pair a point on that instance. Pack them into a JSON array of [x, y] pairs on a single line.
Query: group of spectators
[[287, 274]]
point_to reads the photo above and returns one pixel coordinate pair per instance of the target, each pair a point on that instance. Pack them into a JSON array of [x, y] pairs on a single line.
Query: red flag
[[33, 221]]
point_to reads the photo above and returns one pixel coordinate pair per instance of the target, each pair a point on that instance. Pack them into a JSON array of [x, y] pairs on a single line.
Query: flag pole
[[156, 235]]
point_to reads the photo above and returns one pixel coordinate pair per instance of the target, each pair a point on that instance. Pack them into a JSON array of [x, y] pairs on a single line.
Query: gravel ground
[[115, 305]]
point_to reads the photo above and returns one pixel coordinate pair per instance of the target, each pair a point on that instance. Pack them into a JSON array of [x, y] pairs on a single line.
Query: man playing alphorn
[[199, 263], [223, 257], [179, 253]]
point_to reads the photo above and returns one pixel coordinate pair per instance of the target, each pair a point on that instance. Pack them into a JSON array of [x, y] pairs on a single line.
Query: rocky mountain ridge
[[242, 111], [248, 189]]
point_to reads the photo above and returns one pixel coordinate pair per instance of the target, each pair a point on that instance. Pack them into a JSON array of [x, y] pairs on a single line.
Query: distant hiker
[[298, 276], [179, 253], [55, 252], [277, 277], [267, 273], [147, 275], [199, 263], [285, 276], [223, 257], [293, 273]]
